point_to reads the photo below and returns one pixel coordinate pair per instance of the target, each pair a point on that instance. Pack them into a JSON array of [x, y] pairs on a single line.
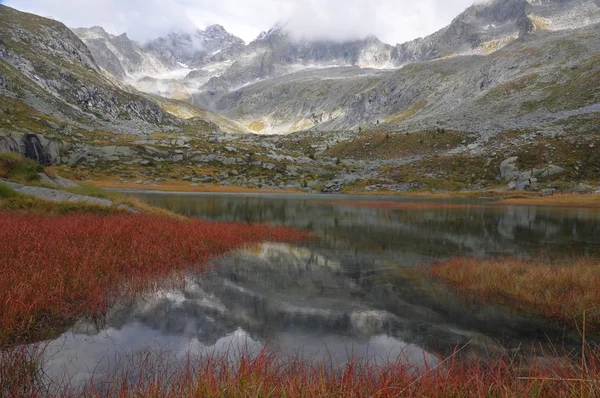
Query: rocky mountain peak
[[215, 31], [195, 48]]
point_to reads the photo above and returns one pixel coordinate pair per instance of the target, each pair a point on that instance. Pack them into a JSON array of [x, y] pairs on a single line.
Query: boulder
[[44, 179], [523, 184], [64, 183], [547, 192], [177, 157], [55, 195], [582, 188], [547, 171], [509, 169], [7, 144]]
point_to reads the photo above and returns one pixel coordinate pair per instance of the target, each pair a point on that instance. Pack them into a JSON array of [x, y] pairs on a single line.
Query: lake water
[[351, 293]]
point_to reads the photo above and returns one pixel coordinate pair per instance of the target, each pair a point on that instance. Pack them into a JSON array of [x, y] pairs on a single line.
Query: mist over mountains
[[215, 69], [505, 95]]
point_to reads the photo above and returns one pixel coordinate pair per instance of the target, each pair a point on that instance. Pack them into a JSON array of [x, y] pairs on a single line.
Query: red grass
[[152, 375], [56, 269], [403, 205]]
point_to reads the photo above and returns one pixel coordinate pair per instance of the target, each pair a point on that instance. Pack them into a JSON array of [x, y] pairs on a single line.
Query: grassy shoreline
[[501, 197], [59, 268], [560, 292], [64, 261], [265, 375]]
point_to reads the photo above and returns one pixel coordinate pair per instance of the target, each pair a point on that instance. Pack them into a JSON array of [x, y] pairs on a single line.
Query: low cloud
[[392, 21]]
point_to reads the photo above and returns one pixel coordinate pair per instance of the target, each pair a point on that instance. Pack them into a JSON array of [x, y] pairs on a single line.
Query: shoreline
[[495, 197]]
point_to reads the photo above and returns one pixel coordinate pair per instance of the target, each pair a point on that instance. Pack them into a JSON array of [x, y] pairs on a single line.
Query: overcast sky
[[393, 21]]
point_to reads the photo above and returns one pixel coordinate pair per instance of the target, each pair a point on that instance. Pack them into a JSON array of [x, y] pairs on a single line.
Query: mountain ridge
[[525, 114], [481, 29]]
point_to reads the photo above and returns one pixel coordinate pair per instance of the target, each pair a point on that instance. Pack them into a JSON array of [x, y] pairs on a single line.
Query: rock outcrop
[[55, 195], [520, 180]]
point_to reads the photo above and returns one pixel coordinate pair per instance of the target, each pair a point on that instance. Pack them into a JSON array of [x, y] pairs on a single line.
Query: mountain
[[524, 113], [252, 83], [162, 66], [440, 78], [48, 68], [51, 88], [277, 52], [121, 56], [487, 27], [195, 49], [181, 65], [536, 80]]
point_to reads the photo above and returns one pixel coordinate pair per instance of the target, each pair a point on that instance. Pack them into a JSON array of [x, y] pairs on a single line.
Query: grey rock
[[8, 144], [509, 169], [64, 183], [54, 195], [547, 171], [44, 179], [582, 188], [547, 191], [524, 184], [155, 151], [417, 185]]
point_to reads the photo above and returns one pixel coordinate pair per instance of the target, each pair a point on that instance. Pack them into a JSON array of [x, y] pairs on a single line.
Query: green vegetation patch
[[450, 173], [16, 168], [380, 145], [7, 192]]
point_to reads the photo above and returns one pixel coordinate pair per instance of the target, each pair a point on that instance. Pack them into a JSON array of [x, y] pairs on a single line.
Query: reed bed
[[558, 291], [267, 375], [57, 269]]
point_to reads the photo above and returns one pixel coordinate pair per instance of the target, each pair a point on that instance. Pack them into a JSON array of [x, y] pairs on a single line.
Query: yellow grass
[[561, 292], [257, 125]]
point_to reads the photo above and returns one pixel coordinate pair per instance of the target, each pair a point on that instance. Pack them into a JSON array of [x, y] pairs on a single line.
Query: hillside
[[524, 116], [486, 46]]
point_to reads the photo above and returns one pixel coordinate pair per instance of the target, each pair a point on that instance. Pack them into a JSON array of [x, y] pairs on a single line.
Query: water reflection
[[407, 236], [350, 294]]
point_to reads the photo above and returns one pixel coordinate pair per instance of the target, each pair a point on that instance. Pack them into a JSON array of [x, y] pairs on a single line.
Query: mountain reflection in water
[[350, 294]]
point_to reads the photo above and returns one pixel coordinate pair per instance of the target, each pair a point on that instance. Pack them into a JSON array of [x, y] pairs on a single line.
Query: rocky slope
[[488, 26], [524, 116], [121, 56], [197, 48], [539, 79], [224, 64], [161, 66], [50, 85]]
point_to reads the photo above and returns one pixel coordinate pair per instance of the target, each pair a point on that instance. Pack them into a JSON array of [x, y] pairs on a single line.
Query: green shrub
[[14, 167], [7, 192]]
